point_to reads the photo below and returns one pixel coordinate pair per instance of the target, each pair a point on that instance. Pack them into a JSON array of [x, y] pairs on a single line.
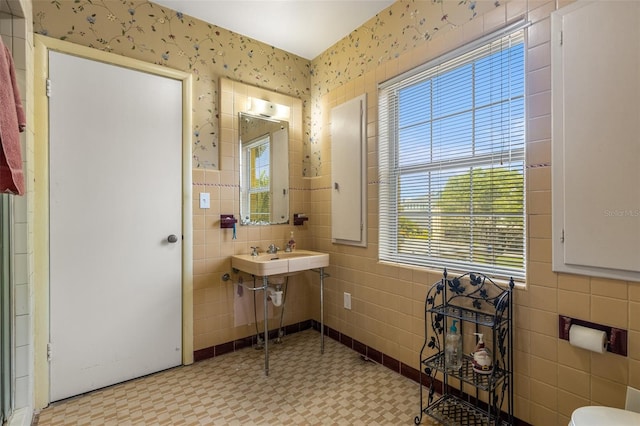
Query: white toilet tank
[[604, 416]]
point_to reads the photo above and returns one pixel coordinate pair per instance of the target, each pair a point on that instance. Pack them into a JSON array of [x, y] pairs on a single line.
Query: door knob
[[172, 238]]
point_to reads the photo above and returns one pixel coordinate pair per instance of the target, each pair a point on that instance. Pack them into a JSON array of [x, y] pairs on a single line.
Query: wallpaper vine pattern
[[149, 32], [396, 30]]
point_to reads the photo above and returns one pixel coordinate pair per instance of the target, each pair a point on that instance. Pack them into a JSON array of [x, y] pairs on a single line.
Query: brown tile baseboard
[[389, 362], [223, 348]]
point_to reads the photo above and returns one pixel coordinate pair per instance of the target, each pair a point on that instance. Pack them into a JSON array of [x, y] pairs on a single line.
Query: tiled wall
[[552, 378], [145, 31], [15, 29], [213, 297]]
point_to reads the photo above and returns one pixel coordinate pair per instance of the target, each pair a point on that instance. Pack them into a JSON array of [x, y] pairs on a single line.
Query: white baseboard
[[21, 417]]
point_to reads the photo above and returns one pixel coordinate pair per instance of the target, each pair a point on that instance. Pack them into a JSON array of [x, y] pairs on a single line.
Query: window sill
[[499, 280]]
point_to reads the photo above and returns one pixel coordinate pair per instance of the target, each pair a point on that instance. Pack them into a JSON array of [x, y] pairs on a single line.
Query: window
[[451, 161], [258, 194]]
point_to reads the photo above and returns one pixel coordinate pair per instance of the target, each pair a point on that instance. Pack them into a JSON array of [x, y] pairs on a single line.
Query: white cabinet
[[349, 172], [596, 139]]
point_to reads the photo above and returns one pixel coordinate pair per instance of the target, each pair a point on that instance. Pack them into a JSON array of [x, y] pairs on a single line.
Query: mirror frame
[[235, 97]]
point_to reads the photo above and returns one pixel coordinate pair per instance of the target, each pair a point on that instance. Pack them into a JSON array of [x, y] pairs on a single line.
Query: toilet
[[604, 416]]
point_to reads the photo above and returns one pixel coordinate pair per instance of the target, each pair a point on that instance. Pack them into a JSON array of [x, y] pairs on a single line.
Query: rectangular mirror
[[264, 170]]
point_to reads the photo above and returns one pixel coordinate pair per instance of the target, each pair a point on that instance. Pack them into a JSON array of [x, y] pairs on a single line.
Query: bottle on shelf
[[453, 348], [482, 362]]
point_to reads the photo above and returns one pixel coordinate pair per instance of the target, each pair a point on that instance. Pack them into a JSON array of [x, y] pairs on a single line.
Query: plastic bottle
[[453, 348], [292, 242], [482, 362]]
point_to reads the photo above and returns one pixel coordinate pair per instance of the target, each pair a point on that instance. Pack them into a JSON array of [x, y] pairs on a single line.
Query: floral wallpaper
[[403, 26], [149, 32], [152, 33]]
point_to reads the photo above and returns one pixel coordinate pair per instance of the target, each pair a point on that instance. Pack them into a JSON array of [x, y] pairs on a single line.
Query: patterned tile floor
[[303, 388]]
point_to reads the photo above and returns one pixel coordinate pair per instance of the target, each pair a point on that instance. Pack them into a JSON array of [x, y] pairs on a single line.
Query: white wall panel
[[596, 139], [349, 172]]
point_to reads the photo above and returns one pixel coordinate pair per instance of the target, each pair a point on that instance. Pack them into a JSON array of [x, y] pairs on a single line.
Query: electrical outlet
[[347, 301]]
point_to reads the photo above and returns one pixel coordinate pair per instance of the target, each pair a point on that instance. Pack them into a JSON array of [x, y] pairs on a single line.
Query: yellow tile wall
[[213, 297], [551, 377], [161, 35]]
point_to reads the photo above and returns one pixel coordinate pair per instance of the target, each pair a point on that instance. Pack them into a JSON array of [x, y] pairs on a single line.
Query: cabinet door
[[596, 142], [348, 172]]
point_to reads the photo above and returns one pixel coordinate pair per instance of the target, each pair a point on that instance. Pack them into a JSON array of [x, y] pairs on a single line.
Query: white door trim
[[41, 200]]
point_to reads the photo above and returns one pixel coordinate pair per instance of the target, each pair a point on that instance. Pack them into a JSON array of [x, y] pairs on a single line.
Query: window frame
[[263, 140], [389, 157]]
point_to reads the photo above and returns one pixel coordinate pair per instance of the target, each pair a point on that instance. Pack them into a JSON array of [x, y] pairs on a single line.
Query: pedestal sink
[[267, 265]]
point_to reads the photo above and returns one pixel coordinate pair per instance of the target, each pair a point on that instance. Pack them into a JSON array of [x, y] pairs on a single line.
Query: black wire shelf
[[451, 410], [466, 373], [466, 314]]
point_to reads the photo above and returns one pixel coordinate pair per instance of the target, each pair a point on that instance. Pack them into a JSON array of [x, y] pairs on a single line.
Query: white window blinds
[[451, 161]]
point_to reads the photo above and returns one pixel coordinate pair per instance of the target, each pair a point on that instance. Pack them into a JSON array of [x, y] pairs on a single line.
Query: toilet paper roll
[[588, 338]]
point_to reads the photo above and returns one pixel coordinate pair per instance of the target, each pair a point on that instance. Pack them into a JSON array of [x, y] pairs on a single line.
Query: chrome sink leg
[[321, 310], [266, 327]]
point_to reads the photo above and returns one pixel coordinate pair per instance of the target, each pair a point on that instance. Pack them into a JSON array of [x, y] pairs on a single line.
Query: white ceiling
[[303, 27]]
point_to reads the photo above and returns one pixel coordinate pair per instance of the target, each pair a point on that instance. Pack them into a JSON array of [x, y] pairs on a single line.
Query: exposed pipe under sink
[[282, 289]]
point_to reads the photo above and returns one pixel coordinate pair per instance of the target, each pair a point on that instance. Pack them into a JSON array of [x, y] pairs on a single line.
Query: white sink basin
[[266, 264]]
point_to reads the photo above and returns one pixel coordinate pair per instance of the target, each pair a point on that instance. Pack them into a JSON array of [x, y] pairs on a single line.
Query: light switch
[[205, 201]]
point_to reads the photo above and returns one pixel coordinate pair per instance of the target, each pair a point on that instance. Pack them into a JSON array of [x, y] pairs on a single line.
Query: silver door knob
[[172, 238]]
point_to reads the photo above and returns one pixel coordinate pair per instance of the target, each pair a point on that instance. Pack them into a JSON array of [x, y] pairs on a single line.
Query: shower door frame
[[6, 311]]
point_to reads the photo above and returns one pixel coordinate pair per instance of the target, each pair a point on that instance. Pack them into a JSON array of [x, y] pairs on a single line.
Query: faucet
[[273, 249], [254, 251]]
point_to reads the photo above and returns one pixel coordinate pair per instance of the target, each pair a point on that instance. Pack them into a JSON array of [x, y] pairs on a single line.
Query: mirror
[[264, 170]]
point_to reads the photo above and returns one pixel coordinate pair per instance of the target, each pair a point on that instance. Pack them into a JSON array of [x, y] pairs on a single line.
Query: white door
[[115, 197]]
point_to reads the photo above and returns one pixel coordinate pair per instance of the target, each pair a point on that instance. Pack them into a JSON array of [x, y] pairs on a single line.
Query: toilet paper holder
[[616, 337]]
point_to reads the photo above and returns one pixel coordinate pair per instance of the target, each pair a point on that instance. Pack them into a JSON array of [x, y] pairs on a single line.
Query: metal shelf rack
[[477, 302]]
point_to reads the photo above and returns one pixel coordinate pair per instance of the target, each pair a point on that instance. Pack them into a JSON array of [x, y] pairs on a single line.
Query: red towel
[[12, 121]]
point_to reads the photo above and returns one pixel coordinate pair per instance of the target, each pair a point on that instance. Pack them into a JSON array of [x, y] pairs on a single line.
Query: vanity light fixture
[[268, 109]]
